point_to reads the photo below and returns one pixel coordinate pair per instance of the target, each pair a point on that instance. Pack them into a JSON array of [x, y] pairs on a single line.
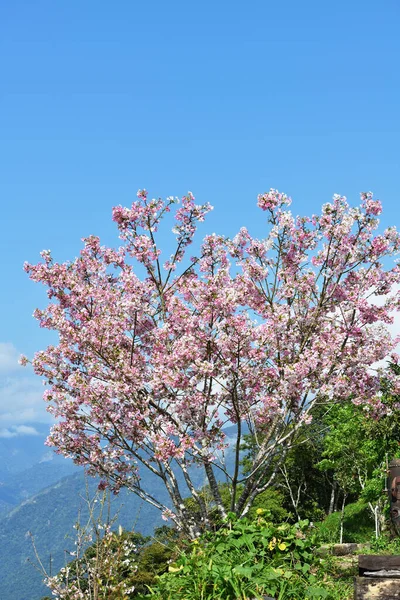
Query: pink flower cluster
[[272, 200], [149, 370]]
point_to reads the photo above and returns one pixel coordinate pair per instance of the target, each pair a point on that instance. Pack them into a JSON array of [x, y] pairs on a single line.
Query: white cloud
[[8, 357], [21, 402], [16, 430], [21, 396], [47, 456], [394, 328]]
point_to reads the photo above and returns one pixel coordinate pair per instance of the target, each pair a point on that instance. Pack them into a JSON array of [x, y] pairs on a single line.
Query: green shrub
[[272, 502], [358, 525], [385, 544], [247, 559], [152, 560]]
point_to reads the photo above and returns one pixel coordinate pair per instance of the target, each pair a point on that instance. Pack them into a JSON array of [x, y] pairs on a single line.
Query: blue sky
[[225, 99]]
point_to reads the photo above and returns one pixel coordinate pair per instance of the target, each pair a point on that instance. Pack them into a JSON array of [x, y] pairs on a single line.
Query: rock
[[324, 550], [341, 549], [368, 588]]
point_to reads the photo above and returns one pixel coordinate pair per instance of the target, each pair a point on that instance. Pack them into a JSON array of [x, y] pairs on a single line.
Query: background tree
[[358, 446], [153, 361], [305, 491]]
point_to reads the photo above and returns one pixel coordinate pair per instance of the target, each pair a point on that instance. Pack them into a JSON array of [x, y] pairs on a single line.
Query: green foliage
[[348, 450], [152, 561], [247, 559], [358, 525], [272, 501], [120, 560], [385, 544], [356, 446]]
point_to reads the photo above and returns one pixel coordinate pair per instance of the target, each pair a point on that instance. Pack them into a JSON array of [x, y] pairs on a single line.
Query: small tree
[[153, 361], [357, 448], [305, 491], [105, 563]]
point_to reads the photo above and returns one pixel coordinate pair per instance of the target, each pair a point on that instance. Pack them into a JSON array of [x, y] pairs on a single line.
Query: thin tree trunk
[[342, 518], [294, 500], [382, 522], [335, 506], [214, 489], [332, 499], [376, 513]]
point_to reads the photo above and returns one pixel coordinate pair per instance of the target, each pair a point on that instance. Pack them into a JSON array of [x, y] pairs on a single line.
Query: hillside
[[49, 516], [17, 487], [42, 493]]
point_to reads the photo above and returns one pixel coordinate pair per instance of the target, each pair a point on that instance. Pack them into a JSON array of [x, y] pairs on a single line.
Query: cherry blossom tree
[[155, 357]]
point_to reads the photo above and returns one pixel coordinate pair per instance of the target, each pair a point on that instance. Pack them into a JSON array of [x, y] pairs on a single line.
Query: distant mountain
[[23, 451], [41, 494], [17, 487], [49, 516], [27, 466]]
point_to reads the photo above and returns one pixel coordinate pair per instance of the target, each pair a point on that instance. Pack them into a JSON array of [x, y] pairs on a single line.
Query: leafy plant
[[247, 559], [384, 544], [358, 525]]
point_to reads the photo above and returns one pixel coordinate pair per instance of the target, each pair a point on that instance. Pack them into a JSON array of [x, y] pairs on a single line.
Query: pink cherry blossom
[[155, 357]]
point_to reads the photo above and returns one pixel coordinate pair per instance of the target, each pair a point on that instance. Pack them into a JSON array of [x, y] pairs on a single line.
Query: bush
[[385, 544], [152, 560], [246, 559], [358, 525]]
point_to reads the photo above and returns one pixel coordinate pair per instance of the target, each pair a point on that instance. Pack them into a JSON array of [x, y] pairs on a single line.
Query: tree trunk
[[336, 502], [342, 518], [376, 514], [382, 522], [332, 500]]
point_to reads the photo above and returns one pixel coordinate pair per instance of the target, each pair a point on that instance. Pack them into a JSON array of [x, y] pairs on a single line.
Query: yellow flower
[[260, 511], [282, 546], [172, 569], [272, 543]]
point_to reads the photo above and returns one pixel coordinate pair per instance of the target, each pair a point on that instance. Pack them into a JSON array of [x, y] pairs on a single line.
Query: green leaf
[[246, 571], [316, 592]]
